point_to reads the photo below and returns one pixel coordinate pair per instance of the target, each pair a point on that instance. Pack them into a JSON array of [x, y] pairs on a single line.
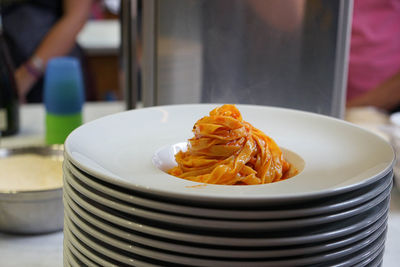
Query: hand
[[24, 81]]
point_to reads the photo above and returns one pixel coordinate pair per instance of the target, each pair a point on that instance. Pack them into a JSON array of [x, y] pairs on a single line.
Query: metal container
[[32, 212], [289, 53]]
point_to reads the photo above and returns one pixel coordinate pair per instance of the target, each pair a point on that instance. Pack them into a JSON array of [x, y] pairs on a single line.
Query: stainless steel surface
[[290, 53], [342, 57], [129, 52], [32, 212], [149, 61]]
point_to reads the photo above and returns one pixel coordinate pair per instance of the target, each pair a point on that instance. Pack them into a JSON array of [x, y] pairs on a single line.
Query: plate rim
[[221, 224], [376, 226], [204, 261], [234, 199], [215, 240], [220, 212]]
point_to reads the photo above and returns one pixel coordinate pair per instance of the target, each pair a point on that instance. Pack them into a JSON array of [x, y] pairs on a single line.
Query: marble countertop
[[46, 250]]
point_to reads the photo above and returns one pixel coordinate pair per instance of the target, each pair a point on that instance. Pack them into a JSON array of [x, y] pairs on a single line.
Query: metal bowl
[[32, 212]]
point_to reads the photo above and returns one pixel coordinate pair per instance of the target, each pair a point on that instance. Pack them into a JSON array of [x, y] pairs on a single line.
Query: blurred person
[[374, 67], [36, 31]]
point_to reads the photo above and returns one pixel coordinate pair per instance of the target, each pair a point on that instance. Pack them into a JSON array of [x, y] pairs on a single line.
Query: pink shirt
[[375, 44]]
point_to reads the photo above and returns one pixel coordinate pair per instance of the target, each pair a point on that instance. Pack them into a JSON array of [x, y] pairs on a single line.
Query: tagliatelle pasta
[[227, 150]]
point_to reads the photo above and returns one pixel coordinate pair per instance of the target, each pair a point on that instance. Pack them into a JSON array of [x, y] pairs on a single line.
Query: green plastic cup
[[58, 127]]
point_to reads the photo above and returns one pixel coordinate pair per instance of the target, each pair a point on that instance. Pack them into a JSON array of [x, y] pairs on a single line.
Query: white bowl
[[339, 156]]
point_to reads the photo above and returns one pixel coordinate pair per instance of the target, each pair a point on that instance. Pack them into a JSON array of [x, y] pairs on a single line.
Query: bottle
[[63, 98], [9, 105]]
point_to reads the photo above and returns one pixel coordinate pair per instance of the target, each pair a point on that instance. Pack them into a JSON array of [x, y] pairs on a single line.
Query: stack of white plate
[[122, 209]]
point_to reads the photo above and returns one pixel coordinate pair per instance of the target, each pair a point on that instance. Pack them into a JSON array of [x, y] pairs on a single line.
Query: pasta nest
[[227, 150]]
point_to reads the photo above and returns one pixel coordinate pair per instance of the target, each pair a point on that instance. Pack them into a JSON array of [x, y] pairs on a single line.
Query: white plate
[[367, 254], [66, 262], [68, 258], [84, 260], [75, 257], [323, 206], [375, 259], [78, 244], [319, 234], [86, 221], [115, 247], [338, 156], [123, 209]]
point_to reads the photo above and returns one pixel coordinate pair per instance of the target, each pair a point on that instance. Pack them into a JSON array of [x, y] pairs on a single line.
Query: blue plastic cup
[[63, 98], [63, 86]]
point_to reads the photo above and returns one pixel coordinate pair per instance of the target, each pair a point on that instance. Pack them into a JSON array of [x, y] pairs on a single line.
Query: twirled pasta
[[227, 150]]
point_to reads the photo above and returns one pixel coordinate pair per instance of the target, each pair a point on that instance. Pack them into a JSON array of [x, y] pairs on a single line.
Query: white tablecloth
[[46, 250]]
